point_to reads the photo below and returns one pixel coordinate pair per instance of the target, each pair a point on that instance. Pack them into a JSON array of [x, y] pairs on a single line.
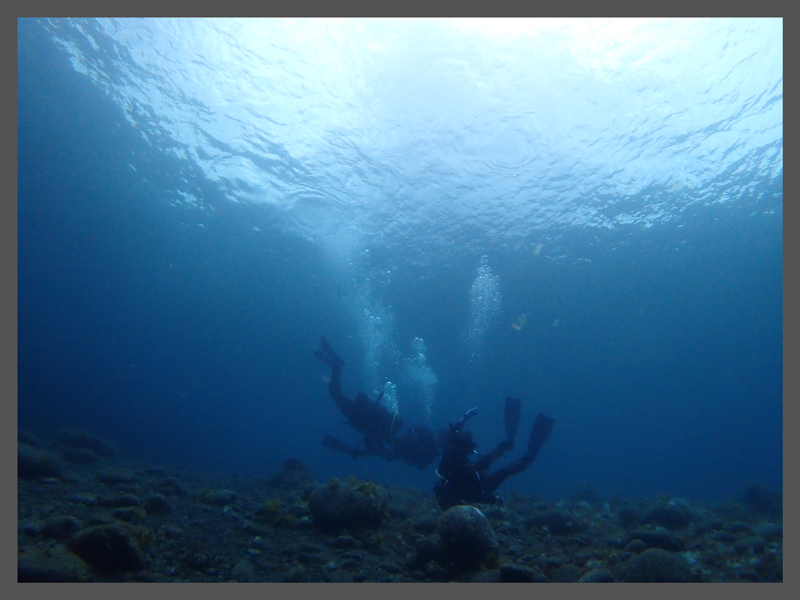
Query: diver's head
[[462, 441]]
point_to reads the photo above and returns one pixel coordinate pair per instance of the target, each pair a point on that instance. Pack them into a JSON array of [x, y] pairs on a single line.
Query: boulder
[[656, 565], [33, 463], [353, 503], [50, 565], [77, 438], [108, 548], [466, 536]]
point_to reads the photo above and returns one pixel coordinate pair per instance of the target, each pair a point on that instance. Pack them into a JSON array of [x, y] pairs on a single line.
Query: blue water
[[586, 215]]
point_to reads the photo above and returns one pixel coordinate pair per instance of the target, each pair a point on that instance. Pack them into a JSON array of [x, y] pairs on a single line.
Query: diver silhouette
[[416, 446], [462, 481]]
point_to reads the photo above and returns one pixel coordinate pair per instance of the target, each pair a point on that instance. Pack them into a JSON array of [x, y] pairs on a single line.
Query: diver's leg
[[332, 443], [539, 434], [335, 358], [512, 413], [484, 462], [492, 481]]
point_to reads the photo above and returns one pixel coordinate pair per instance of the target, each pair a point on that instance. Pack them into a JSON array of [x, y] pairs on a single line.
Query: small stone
[[659, 538], [222, 497], [243, 571], [60, 527], [50, 565], [157, 504], [33, 463], [352, 503], [513, 573], [114, 475], [636, 546], [753, 544], [343, 541], [597, 576], [171, 531], [568, 573], [108, 548], [558, 522], [656, 566], [85, 499]]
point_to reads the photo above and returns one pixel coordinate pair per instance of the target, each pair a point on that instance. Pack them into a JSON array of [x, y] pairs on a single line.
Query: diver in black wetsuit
[[462, 481], [416, 446]]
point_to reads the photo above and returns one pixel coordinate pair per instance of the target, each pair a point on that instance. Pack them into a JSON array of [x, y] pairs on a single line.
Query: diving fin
[[513, 411], [324, 358], [333, 443], [329, 351], [539, 434]]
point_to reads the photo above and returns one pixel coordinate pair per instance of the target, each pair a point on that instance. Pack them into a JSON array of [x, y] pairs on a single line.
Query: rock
[[77, 438], [243, 571], [29, 527], [171, 487], [60, 527], [656, 565], [344, 542], [426, 525], [427, 548], [558, 522], [222, 497], [636, 546], [726, 537], [672, 516], [157, 505], [568, 573], [108, 548], [26, 437], [435, 571], [33, 463], [296, 574], [81, 456], [752, 544], [113, 475], [513, 573], [120, 500], [658, 538], [597, 576], [760, 499], [171, 531], [628, 516], [293, 475], [50, 565], [768, 530], [128, 513], [491, 576], [85, 499], [353, 503], [466, 536], [587, 493]]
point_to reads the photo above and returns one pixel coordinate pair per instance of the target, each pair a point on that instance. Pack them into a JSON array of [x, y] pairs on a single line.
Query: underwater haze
[[584, 214]]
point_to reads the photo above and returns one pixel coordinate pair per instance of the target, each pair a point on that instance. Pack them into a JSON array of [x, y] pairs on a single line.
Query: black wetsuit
[[462, 481], [415, 446]]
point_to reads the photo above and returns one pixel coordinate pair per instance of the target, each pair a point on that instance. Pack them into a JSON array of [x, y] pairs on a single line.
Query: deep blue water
[[184, 330]]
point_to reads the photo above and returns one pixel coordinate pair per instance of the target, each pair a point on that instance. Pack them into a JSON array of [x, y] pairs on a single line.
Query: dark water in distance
[[184, 332]]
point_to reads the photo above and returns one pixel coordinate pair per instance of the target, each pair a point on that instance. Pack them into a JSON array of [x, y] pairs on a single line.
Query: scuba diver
[[462, 481], [416, 446]]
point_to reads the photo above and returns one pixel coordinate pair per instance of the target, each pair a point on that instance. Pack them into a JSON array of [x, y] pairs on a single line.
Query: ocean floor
[[87, 514]]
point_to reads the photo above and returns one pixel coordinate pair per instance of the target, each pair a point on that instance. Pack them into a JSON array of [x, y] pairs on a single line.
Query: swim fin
[[324, 358], [333, 443], [513, 411], [330, 357], [539, 434]]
